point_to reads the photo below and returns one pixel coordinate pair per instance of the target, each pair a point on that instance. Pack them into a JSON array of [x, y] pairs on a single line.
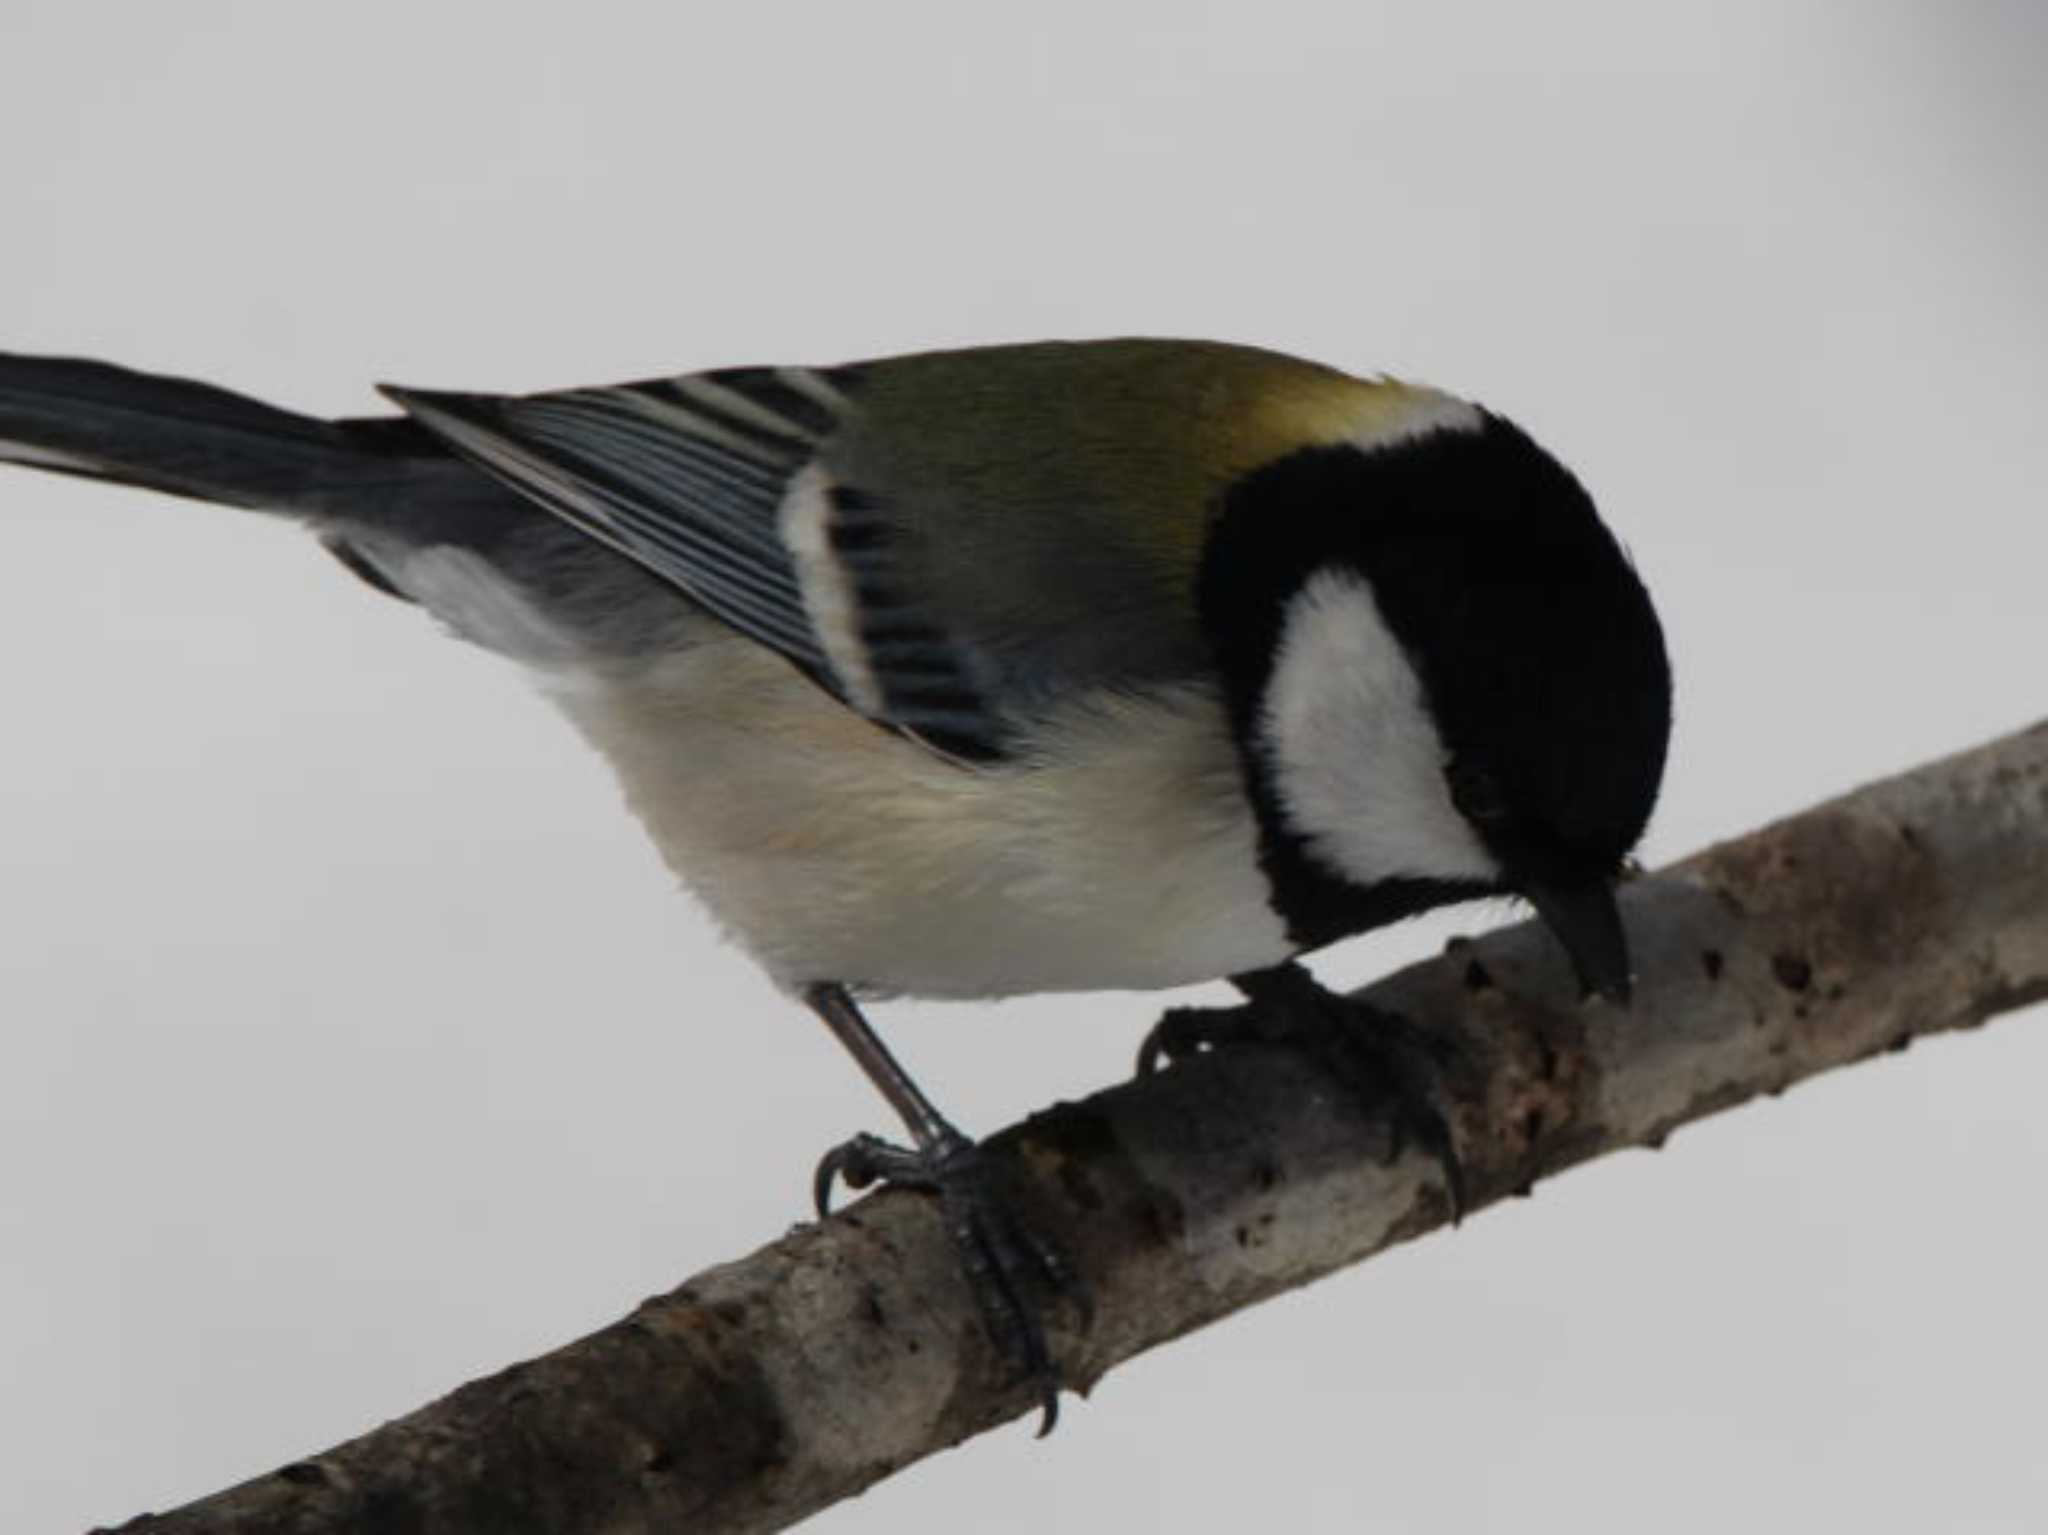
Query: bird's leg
[[1390, 1065], [1005, 1262]]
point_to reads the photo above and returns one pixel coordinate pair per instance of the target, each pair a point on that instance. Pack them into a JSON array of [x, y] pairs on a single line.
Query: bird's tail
[[191, 439], [378, 491]]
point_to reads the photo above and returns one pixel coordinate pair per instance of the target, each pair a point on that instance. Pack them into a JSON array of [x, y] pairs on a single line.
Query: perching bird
[[1116, 664]]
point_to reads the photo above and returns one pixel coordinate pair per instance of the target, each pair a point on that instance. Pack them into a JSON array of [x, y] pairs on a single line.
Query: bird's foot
[[1008, 1266], [1390, 1066]]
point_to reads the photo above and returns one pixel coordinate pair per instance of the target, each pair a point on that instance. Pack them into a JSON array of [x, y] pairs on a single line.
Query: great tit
[[1073, 665]]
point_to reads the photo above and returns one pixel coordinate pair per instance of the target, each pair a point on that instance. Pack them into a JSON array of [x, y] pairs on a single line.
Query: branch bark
[[763, 1390]]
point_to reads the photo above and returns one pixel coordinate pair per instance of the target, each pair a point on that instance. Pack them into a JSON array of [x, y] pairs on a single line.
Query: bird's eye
[[1475, 792]]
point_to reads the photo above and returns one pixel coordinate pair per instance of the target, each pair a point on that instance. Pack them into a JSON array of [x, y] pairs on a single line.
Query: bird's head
[[1446, 681]]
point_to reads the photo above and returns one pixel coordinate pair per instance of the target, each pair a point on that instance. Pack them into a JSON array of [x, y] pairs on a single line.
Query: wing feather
[[692, 477]]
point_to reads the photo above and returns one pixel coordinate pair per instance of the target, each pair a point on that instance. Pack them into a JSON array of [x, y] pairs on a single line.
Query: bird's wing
[[684, 476], [944, 553]]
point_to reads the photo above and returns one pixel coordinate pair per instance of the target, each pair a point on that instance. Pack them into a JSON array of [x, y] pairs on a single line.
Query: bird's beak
[[1587, 923]]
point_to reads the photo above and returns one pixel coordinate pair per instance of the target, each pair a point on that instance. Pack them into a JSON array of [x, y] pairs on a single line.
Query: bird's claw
[[1006, 1263], [862, 1162], [1182, 1032], [1386, 1063]]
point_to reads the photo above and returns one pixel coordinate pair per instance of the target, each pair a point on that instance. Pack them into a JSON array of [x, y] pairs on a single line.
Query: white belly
[[1124, 856]]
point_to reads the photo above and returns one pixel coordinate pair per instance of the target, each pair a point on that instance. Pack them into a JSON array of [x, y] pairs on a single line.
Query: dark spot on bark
[[390, 1511], [1712, 961], [1244, 1237], [1265, 1175], [1532, 1125], [514, 1377], [1159, 1219], [1655, 1140], [1902, 1043], [1525, 1189], [305, 1473], [1477, 976], [1077, 1186], [695, 1375], [871, 1309], [1792, 971], [1083, 1151]]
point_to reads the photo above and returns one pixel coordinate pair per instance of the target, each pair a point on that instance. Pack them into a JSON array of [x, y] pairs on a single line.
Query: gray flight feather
[[694, 478]]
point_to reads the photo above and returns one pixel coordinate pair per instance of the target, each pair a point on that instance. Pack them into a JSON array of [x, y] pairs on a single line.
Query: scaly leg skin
[[1391, 1066], [1005, 1263]]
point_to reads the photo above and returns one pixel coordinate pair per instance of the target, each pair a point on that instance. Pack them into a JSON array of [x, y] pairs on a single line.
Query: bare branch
[[766, 1389]]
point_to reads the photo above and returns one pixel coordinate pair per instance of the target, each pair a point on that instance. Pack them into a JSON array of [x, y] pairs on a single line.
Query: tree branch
[[766, 1389]]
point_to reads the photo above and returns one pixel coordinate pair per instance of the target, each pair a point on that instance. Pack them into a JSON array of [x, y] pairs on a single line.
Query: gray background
[[355, 1042]]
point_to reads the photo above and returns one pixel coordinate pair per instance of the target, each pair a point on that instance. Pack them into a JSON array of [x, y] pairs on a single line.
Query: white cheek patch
[[1357, 763]]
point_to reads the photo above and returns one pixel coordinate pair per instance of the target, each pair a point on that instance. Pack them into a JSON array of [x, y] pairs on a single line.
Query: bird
[[1036, 667]]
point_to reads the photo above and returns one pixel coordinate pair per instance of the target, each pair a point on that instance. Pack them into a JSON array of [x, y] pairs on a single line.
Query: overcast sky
[[357, 1044]]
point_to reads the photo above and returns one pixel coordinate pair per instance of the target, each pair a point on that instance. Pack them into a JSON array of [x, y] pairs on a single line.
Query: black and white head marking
[[1445, 678], [1352, 751]]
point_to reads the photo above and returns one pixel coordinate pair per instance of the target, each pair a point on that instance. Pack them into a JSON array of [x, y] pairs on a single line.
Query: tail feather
[[191, 439], [88, 418], [380, 492]]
